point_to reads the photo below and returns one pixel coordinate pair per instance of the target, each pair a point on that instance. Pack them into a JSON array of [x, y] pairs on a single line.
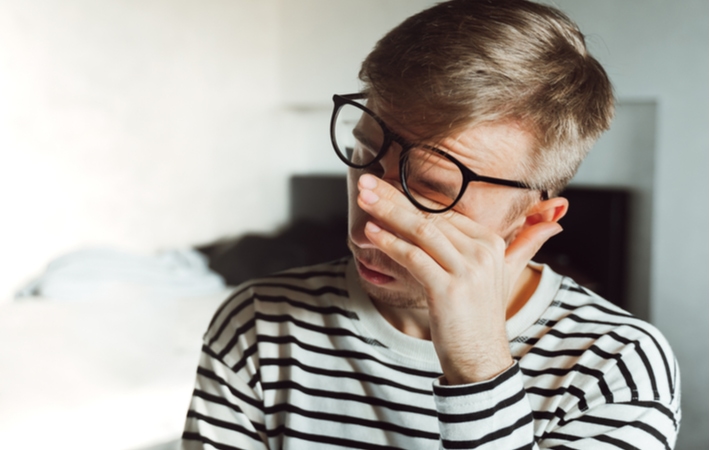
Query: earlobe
[[551, 210]]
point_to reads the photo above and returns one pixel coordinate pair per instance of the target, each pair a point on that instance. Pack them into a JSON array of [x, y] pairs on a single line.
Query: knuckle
[[448, 215], [389, 240], [424, 229], [490, 255], [487, 258], [389, 190], [413, 255], [498, 244], [387, 209]]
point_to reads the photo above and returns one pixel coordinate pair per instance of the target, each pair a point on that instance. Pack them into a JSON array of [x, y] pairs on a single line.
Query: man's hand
[[465, 269]]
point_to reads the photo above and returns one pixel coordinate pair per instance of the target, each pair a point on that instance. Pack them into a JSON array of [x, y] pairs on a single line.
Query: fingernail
[[555, 231], [368, 181], [372, 228], [368, 197]]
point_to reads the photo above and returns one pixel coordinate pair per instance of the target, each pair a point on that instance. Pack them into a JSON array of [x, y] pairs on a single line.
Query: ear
[[550, 210]]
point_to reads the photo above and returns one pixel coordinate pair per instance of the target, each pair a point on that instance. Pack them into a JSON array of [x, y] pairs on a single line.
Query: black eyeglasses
[[433, 180]]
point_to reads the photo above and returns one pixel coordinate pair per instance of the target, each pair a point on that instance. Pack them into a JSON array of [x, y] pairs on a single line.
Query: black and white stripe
[[288, 362]]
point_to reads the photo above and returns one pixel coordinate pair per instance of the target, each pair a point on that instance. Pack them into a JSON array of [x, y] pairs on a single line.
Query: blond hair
[[464, 62]]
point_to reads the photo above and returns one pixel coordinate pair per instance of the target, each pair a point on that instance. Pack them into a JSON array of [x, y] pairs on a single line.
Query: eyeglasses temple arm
[[544, 195]]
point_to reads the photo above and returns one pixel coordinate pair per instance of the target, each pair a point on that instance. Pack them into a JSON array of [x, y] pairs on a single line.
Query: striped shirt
[[303, 360]]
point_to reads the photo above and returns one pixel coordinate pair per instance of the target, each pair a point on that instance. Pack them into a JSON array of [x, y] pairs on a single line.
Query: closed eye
[[432, 174], [368, 144]]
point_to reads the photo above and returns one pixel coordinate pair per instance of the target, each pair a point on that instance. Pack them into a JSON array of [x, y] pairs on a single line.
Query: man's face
[[493, 149]]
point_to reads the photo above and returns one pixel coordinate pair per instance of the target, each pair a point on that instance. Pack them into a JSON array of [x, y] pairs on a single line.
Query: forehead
[[491, 148], [501, 148]]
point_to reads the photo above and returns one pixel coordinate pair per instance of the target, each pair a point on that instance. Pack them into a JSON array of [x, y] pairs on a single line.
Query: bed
[[112, 374]]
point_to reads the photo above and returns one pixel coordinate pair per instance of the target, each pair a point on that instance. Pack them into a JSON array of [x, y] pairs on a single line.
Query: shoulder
[[579, 309], [311, 285], [612, 345], [295, 294]]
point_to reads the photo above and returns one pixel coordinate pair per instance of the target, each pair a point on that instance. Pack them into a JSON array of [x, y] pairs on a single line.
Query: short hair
[[464, 62]]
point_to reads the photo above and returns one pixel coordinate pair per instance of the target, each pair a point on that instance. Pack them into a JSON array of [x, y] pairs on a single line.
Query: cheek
[[356, 217], [490, 206], [510, 221]]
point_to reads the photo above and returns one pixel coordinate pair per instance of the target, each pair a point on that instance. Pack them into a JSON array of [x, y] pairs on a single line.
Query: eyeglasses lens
[[358, 137], [433, 181]]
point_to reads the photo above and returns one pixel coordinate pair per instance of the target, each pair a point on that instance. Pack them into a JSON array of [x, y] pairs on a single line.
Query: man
[[440, 332]]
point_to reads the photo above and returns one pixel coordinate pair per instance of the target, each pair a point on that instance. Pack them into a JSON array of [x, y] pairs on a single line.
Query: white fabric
[[104, 274], [85, 375]]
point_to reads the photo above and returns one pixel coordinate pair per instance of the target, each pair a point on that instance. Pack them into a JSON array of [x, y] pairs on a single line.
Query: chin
[[394, 298]]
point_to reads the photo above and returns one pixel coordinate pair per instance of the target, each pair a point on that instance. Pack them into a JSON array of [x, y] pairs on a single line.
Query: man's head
[[465, 62], [507, 88]]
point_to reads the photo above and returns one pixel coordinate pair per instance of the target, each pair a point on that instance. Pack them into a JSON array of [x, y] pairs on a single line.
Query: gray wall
[[658, 50], [624, 157]]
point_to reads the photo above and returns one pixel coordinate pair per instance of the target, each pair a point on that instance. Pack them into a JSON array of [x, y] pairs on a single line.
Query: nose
[[357, 219], [387, 168]]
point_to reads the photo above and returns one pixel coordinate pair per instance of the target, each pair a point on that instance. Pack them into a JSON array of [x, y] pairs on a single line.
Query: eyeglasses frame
[[390, 136]]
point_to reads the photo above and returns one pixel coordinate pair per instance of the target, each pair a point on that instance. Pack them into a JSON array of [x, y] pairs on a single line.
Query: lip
[[372, 275]]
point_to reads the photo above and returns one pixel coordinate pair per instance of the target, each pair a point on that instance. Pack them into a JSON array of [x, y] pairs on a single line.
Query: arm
[[496, 414], [468, 274]]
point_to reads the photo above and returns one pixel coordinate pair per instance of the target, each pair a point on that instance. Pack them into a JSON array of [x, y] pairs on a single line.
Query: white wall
[[134, 124], [624, 157]]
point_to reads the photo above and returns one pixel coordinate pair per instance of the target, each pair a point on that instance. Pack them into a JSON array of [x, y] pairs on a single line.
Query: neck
[[410, 321], [415, 321], [524, 288]]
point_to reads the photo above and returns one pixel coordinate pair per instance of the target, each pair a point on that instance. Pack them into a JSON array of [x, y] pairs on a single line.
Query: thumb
[[527, 243]]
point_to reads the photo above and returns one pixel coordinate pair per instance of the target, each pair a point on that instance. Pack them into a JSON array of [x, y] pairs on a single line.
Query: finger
[[395, 194], [393, 211], [527, 243], [412, 228], [383, 189], [417, 261], [462, 232]]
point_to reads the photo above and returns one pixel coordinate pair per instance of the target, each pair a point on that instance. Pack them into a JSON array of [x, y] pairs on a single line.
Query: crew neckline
[[536, 305], [403, 347]]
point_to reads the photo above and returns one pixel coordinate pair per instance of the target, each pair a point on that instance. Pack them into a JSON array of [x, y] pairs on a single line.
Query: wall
[[658, 50], [624, 158], [135, 124]]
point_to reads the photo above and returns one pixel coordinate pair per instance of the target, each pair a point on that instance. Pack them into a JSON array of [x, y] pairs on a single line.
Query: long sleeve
[[491, 414], [497, 414]]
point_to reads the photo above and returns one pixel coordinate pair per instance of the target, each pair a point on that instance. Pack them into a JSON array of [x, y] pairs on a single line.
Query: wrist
[[477, 367]]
